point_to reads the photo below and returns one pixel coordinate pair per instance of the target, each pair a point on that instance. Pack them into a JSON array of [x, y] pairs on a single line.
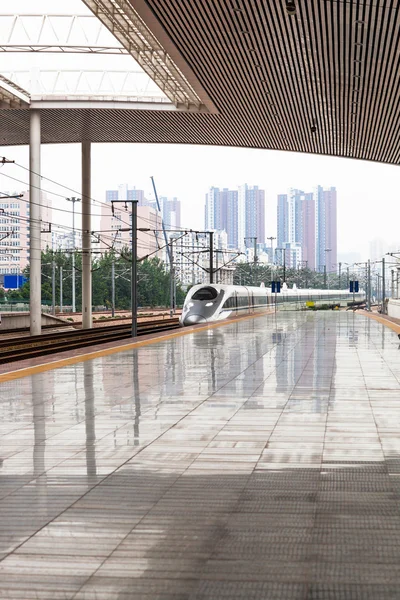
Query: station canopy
[[246, 73]]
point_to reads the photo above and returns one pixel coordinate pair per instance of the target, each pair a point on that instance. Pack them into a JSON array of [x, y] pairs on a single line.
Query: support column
[[35, 266], [87, 321]]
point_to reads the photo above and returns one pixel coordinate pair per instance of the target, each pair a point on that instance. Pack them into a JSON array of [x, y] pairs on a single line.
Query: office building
[[171, 212], [255, 213], [307, 228], [15, 230], [241, 213], [326, 228]]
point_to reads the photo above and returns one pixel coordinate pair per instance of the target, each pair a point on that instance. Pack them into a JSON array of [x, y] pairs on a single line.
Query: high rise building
[[241, 213], [255, 213], [15, 230], [232, 218], [289, 227], [171, 212], [378, 247], [216, 209], [282, 221], [330, 200], [308, 231], [307, 228]]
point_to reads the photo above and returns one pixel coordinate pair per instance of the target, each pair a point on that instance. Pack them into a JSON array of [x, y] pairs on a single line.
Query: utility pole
[[113, 288], [271, 239], [325, 275], [383, 310], [61, 289], [73, 200], [53, 287], [283, 250], [348, 276], [255, 261], [134, 268], [211, 234], [172, 279], [254, 239], [134, 204], [340, 276], [369, 285]]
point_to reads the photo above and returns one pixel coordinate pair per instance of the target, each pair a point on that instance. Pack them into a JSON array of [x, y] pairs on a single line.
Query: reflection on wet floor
[[257, 460]]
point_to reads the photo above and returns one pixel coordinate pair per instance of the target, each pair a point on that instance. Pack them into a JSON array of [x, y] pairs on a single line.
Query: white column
[[34, 225], [87, 321]]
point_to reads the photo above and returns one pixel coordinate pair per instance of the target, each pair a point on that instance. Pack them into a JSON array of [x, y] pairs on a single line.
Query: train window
[[230, 303], [206, 293]]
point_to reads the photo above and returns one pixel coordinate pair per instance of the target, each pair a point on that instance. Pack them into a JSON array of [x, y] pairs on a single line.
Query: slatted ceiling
[[336, 64]]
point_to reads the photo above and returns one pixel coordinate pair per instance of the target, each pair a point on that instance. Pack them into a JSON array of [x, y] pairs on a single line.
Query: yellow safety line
[[72, 360], [394, 326]]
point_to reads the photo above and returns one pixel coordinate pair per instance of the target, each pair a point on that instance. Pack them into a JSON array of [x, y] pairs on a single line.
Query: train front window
[[205, 294]]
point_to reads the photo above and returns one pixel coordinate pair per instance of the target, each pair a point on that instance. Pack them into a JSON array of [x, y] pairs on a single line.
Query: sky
[[368, 193]]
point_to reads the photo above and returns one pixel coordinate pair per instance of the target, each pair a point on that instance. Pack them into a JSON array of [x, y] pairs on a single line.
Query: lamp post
[[271, 239], [283, 250], [325, 278], [254, 239], [73, 200]]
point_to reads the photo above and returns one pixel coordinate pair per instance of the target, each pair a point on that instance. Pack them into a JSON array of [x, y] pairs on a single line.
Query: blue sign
[[275, 287], [13, 282], [354, 287]]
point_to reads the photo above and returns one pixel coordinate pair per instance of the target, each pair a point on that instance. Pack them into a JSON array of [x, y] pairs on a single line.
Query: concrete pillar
[[35, 267], [87, 321]]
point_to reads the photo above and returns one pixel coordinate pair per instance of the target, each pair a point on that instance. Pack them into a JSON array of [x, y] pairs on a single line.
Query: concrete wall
[[21, 320], [394, 308]]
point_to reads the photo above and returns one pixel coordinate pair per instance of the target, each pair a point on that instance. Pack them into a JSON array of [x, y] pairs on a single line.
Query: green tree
[[153, 280]]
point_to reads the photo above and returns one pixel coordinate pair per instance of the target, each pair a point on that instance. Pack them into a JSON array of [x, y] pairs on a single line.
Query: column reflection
[[90, 424]]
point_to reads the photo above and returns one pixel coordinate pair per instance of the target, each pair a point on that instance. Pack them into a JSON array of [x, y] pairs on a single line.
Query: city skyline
[[186, 172]]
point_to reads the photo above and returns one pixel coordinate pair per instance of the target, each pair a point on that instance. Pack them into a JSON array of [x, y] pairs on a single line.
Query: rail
[[35, 346]]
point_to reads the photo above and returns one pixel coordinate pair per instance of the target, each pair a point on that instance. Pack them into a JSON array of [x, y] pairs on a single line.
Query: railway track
[[12, 350]]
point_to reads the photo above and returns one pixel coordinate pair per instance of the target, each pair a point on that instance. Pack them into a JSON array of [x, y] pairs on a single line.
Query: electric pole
[[369, 285], [113, 288], [61, 289], [53, 287], [211, 234], [134, 204], [73, 200], [271, 239]]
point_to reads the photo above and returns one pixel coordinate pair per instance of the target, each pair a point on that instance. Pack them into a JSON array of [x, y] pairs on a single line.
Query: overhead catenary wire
[[70, 211], [100, 202]]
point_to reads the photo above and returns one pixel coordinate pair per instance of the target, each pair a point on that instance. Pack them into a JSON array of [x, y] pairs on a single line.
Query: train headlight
[[190, 305], [209, 303]]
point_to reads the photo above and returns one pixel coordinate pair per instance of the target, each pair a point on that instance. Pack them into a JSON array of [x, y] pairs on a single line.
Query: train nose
[[193, 319]]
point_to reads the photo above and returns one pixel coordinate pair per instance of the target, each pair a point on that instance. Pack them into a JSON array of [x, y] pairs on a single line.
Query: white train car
[[213, 302]]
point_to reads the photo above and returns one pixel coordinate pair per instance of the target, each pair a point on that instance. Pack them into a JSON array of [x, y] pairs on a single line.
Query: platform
[[257, 460]]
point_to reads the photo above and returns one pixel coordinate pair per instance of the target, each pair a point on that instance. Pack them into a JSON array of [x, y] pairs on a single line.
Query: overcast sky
[[368, 193]]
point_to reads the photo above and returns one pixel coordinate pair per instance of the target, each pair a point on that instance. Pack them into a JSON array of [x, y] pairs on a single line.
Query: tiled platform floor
[[255, 461]]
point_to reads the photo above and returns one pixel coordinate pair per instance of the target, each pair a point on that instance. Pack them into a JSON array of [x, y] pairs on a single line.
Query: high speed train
[[213, 302]]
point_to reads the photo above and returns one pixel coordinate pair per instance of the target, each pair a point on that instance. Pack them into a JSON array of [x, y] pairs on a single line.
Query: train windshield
[[205, 293]]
